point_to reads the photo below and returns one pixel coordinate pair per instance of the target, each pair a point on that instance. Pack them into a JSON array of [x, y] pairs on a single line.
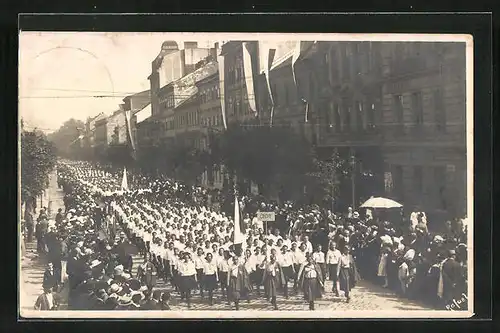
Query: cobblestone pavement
[[33, 265], [366, 295]]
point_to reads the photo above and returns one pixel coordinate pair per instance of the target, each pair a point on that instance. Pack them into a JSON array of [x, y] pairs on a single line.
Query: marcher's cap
[[118, 270], [95, 263], [125, 300], [451, 252], [438, 238], [409, 255]]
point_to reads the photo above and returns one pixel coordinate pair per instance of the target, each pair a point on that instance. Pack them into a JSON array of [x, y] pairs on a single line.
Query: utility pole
[[353, 175]]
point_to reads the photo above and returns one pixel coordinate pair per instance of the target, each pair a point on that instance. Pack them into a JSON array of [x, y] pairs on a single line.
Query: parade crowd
[[188, 242]]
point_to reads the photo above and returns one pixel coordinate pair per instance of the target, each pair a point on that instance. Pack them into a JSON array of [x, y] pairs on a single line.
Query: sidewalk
[[32, 265]]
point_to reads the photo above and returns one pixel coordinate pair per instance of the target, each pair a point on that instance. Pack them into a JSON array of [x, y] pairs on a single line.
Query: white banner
[[248, 71], [269, 55], [295, 57], [129, 128], [220, 60]]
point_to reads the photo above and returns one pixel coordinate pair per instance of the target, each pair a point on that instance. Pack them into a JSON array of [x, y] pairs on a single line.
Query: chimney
[[190, 45]]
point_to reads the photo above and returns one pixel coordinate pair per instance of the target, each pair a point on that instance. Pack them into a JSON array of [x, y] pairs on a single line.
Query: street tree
[[38, 159], [326, 176], [261, 154], [66, 139]]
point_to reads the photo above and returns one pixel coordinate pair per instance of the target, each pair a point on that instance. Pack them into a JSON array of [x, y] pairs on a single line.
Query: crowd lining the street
[[188, 243]]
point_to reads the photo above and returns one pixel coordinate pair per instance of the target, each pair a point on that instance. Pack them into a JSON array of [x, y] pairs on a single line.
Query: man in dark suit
[[46, 301], [153, 304], [59, 217], [452, 273], [54, 247], [50, 280]]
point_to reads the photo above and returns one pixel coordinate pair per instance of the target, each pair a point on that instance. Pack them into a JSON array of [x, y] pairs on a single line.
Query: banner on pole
[[248, 71], [220, 60], [266, 216]]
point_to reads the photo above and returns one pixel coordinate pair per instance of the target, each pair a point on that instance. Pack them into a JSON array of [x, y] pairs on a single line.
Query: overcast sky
[[72, 64]]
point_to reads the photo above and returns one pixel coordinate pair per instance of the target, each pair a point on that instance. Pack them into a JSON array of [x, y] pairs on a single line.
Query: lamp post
[[353, 175]]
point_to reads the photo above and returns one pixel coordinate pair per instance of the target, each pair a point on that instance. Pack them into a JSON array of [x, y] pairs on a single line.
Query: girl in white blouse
[[187, 275], [210, 277]]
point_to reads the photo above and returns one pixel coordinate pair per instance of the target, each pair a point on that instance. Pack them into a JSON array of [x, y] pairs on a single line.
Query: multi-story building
[[211, 123], [235, 90], [111, 130], [89, 135], [395, 110], [136, 103], [424, 125], [172, 64], [345, 95]]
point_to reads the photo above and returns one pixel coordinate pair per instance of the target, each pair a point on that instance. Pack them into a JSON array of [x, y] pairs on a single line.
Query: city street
[[33, 265], [366, 296]]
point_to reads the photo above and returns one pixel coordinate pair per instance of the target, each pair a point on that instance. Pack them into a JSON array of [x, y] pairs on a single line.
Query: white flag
[[129, 129], [248, 71], [268, 58], [238, 237], [220, 60], [124, 180], [295, 57]]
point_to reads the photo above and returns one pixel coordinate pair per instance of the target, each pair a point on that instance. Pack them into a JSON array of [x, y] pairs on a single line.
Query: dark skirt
[[223, 279], [210, 282], [332, 271], [297, 269], [311, 289], [271, 285], [256, 276], [175, 277], [187, 283], [288, 273], [345, 279], [233, 292], [199, 274]]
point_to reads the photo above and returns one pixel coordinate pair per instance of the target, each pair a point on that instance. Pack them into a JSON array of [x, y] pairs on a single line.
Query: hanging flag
[[238, 237], [124, 180], [248, 71], [295, 57], [220, 60], [269, 57], [129, 128], [307, 112]]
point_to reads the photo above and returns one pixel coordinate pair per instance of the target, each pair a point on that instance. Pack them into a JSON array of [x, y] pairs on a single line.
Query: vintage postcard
[[210, 175]]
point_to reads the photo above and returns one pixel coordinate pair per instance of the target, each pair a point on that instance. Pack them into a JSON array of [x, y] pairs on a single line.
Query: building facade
[[424, 118], [172, 64], [211, 123], [236, 96]]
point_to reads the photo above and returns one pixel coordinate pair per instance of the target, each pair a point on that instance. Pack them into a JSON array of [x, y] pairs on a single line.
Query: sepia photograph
[[255, 175]]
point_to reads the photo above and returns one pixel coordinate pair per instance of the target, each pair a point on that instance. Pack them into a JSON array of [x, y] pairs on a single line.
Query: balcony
[[411, 66], [426, 134], [331, 137]]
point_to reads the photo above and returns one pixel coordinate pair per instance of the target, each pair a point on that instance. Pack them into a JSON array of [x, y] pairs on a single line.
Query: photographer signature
[[458, 304]]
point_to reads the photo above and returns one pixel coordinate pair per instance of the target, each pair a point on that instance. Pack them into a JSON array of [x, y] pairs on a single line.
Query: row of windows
[[417, 110], [167, 103], [237, 106], [209, 94], [418, 183], [342, 117], [235, 73], [212, 121]]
